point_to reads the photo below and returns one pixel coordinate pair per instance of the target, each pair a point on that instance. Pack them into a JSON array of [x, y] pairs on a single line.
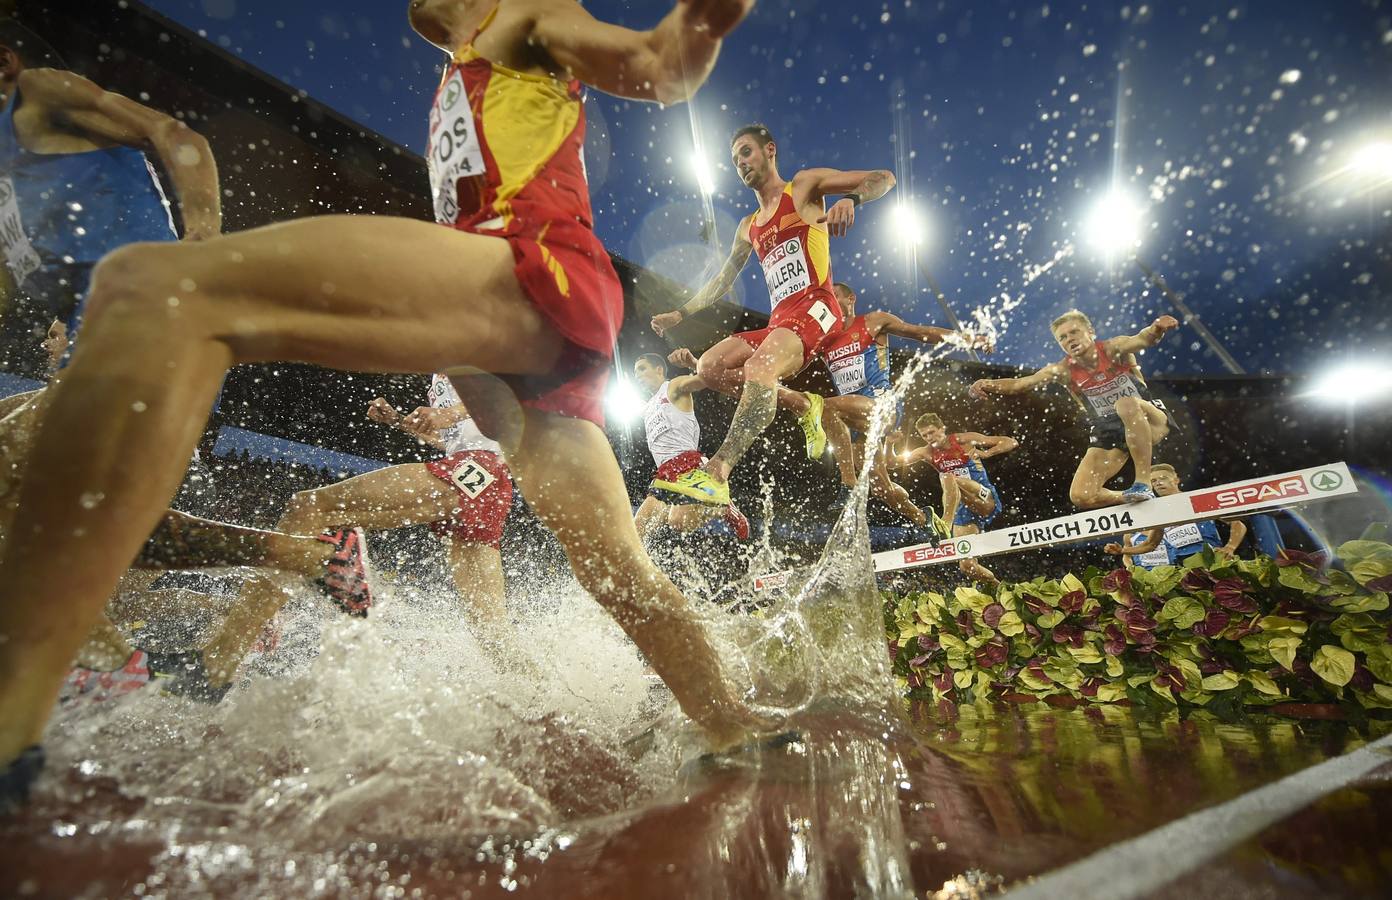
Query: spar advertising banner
[[1238, 498]]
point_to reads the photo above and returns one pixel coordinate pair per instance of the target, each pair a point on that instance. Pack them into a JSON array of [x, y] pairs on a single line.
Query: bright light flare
[[1114, 224], [1373, 159], [1352, 383], [705, 178], [908, 224], [622, 402]]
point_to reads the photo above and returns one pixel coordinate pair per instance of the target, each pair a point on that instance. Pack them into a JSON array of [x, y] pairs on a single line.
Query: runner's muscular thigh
[[370, 293]]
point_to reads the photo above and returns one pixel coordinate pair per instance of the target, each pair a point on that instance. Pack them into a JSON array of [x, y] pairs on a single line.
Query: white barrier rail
[[1240, 497]]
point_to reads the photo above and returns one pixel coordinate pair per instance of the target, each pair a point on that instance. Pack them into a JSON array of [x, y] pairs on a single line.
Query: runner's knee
[[134, 281]]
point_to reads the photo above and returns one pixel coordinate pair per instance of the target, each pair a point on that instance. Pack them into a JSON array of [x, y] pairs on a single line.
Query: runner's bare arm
[[888, 323], [1050, 373], [989, 445], [714, 289], [1147, 337], [684, 386], [102, 114], [859, 186], [1152, 541], [1237, 530], [667, 63]]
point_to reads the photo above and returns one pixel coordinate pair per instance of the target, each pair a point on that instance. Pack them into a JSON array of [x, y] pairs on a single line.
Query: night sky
[[1242, 131]]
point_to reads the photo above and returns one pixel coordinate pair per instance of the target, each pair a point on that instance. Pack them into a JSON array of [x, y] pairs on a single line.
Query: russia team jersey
[[1098, 389], [671, 431], [858, 363], [956, 460], [795, 255], [464, 435]]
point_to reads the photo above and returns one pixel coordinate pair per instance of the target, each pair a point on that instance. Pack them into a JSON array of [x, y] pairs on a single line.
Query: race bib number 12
[[471, 478]]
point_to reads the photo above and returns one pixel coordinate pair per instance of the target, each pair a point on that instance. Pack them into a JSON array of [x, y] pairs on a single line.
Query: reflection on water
[[391, 758]]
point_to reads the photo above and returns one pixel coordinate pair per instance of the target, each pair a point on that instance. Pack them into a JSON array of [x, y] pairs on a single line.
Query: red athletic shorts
[[673, 469], [565, 271], [813, 319], [484, 485]]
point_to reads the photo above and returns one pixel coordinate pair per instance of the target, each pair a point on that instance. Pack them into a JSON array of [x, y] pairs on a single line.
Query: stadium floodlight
[[705, 178], [908, 224], [1352, 383], [622, 401], [1373, 159], [1114, 225]]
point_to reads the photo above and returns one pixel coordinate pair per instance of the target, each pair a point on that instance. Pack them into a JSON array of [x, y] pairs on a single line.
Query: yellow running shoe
[[941, 525], [698, 485], [811, 422]]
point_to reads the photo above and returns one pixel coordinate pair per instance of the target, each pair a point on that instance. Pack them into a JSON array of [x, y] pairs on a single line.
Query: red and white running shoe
[[345, 571], [737, 521], [96, 684]]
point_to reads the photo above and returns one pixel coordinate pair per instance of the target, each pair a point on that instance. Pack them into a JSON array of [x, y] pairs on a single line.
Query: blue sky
[[1236, 127]]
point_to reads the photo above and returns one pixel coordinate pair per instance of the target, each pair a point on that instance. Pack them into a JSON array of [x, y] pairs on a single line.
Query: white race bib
[[1103, 398], [786, 273], [20, 256], [471, 478], [1156, 557], [1183, 535], [454, 147], [849, 373]]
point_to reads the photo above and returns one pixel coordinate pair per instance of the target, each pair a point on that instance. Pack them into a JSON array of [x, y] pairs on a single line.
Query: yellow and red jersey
[[795, 254]]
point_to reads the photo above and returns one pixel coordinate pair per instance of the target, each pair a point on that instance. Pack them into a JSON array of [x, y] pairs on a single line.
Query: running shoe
[[17, 778], [101, 684], [1138, 493], [738, 522], [184, 675], [811, 422], [941, 525], [345, 571], [698, 485]]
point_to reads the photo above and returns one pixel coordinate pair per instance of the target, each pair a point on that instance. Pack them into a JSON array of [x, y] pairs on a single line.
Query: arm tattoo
[[183, 542], [873, 186], [755, 412], [720, 285]]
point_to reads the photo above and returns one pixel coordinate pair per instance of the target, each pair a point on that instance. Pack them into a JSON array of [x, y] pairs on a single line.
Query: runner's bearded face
[[1075, 338], [751, 160]]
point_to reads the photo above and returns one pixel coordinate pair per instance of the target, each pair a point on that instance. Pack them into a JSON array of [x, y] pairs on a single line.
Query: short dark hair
[[654, 359], [928, 419], [844, 289], [30, 48], [759, 131]]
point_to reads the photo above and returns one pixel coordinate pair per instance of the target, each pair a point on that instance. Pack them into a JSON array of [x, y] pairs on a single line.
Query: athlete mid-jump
[[790, 234], [1106, 381]]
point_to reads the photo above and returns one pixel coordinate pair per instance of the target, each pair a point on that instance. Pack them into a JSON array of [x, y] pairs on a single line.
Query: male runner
[[858, 358], [669, 422], [516, 285], [464, 497], [1172, 545], [75, 184], [970, 501], [789, 233], [1106, 381]]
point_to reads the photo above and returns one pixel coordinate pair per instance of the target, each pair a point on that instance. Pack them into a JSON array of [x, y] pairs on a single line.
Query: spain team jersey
[[506, 159], [858, 363], [795, 255]]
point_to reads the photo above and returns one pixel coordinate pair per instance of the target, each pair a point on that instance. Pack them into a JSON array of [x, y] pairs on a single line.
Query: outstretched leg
[[970, 567], [164, 323], [594, 526], [1140, 442], [779, 355], [1097, 467], [892, 493]]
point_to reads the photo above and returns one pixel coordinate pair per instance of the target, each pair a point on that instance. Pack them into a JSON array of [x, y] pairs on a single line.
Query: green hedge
[[1222, 634]]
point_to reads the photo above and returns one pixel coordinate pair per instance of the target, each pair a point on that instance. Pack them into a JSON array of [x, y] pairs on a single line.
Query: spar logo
[[928, 554], [771, 580], [1250, 494]]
